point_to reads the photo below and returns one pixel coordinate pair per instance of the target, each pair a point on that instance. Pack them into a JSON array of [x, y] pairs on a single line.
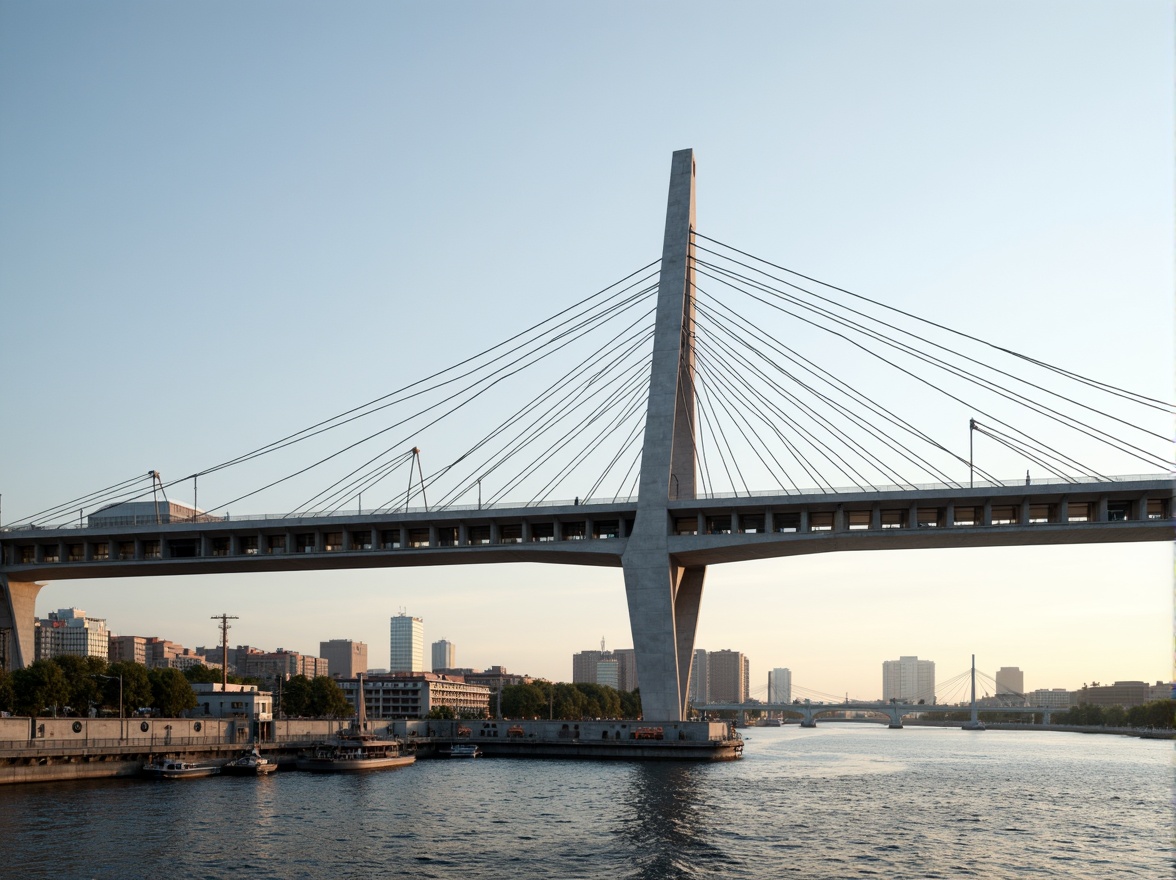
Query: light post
[[120, 700]]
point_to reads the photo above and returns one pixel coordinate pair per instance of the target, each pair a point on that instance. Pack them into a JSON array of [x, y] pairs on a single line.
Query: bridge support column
[[663, 597], [17, 613]]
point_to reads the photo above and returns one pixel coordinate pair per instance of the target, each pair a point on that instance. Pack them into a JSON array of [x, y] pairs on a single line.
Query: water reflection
[[664, 821]]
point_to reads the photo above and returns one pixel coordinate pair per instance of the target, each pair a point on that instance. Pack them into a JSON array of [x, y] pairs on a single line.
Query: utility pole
[[224, 627]]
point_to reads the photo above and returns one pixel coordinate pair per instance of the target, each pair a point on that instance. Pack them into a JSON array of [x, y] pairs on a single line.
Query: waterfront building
[[406, 644], [1010, 680], [699, 678], [70, 631], [908, 680], [415, 694], [1050, 698], [245, 702], [780, 685], [727, 673], [444, 655], [345, 658], [1121, 693]]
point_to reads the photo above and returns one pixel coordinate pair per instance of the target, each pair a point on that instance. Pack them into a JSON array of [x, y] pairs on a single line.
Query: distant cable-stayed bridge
[[661, 425]]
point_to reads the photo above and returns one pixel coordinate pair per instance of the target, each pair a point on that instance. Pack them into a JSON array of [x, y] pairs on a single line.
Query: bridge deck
[[700, 532]]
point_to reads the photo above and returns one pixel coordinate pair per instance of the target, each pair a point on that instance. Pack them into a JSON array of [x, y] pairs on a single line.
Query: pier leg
[[663, 613], [17, 613]]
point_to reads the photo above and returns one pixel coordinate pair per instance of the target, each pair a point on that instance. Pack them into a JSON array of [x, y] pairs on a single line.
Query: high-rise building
[[626, 669], [908, 680], [780, 685], [607, 672], [584, 666], [699, 692], [345, 658], [444, 655], [407, 644], [1010, 680], [727, 675], [619, 670], [70, 631]]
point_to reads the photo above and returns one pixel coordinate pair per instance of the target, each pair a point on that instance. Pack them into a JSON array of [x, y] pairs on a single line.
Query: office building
[[345, 658], [727, 673], [780, 685], [444, 655], [407, 644], [617, 669], [70, 631], [584, 666], [626, 669], [908, 680], [606, 672], [1010, 680]]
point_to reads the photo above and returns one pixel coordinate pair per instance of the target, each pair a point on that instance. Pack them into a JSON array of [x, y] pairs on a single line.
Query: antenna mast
[[224, 628]]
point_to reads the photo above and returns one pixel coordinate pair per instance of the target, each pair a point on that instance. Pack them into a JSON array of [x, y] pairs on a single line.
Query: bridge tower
[[664, 596]]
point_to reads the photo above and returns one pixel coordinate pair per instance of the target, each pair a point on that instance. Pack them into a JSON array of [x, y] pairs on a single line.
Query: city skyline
[[262, 203]]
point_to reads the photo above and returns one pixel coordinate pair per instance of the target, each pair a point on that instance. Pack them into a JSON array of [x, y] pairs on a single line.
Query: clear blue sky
[[222, 221]]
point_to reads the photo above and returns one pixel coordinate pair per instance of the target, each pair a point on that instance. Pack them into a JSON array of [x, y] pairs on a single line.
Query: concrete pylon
[[18, 600], [663, 596]]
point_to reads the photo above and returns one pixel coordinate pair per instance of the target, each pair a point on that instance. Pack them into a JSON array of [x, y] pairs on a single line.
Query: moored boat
[[465, 750], [354, 752], [252, 763], [173, 768], [355, 749]]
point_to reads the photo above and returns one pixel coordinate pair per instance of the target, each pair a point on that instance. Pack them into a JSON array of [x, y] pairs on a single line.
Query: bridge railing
[[927, 487]]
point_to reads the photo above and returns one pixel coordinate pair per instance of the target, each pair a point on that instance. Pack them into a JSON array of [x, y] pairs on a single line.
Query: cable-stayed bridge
[[687, 430]]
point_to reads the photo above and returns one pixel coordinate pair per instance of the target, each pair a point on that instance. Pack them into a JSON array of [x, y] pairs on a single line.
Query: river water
[[841, 801]]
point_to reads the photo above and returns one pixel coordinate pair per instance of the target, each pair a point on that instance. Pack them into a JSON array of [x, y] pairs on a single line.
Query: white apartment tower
[[407, 644], [444, 655], [780, 685], [908, 680]]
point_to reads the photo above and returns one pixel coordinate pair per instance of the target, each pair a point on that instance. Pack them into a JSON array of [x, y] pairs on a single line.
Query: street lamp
[[120, 699]]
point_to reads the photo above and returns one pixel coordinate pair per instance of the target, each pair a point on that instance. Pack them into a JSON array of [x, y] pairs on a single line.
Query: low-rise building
[[243, 702], [415, 694], [1050, 698]]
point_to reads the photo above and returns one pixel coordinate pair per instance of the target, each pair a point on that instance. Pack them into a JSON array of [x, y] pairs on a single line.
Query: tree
[[81, 675], [6, 692], [171, 693], [524, 701], [630, 703], [40, 688], [136, 687], [327, 699], [441, 712], [295, 696]]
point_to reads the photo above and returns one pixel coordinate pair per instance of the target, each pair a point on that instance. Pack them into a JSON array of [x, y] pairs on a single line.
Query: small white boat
[[172, 768], [250, 764], [465, 750]]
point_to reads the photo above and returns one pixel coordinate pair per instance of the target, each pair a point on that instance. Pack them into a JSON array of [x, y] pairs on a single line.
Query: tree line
[[71, 685], [569, 702]]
